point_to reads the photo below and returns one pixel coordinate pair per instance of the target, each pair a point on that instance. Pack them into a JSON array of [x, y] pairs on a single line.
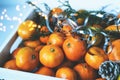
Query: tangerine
[[38, 48], [112, 28], [44, 39], [85, 72], [44, 29], [66, 29], [51, 56], [26, 29], [27, 59], [32, 43], [95, 56], [66, 73], [74, 48], [57, 10], [45, 71], [56, 38], [115, 53], [11, 64], [14, 53]]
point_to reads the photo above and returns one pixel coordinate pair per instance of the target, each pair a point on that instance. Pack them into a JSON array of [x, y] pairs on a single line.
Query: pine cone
[[109, 70]]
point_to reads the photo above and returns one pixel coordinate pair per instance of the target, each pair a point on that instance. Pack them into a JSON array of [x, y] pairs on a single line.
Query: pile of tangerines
[[60, 54]]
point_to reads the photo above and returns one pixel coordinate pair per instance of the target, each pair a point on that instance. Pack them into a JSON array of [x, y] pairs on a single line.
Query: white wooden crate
[[8, 74]]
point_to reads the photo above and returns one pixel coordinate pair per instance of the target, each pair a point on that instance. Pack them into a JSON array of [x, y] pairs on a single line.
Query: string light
[[1, 17], [4, 28], [8, 18], [1, 24], [11, 26], [20, 14], [18, 8], [5, 16], [4, 11], [0, 29]]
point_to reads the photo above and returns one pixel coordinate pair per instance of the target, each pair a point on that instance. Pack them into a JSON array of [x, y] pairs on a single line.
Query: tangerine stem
[[52, 49], [33, 56]]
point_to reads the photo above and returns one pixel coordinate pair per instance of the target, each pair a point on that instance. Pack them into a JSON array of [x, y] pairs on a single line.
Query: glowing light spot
[[34, 2], [31, 29], [9, 19], [40, 13], [24, 6], [29, 5], [39, 26], [21, 14], [1, 24], [6, 15], [19, 20], [3, 13], [11, 26], [45, 17], [4, 28], [1, 17], [18, 8], [5, 10], [15, 18], [0, 29]]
